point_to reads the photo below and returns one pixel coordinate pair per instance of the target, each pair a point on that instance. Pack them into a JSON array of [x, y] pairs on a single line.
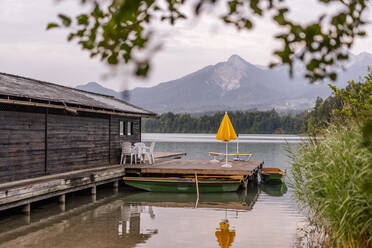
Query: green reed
[[331, 178]]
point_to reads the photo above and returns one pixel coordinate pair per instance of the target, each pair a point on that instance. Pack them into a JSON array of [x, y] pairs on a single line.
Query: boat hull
[[272, 178], [182, 186]]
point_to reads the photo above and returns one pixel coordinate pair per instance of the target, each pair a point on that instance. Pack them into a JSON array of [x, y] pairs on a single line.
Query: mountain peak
[[93, 84], [236, 59], [238, 62], [365, 55], [97, 88]]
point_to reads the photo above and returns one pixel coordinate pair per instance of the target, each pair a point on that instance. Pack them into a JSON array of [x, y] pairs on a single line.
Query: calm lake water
[[261, 216]]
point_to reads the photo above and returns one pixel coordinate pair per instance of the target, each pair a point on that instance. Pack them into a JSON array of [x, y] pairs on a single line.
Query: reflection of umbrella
[[226, 133], [225, 237]]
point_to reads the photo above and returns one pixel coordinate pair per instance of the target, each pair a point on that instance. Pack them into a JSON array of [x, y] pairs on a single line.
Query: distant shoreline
[[210, 138]]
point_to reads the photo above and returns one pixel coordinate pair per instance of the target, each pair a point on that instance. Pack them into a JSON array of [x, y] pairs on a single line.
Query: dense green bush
[[331, 178]]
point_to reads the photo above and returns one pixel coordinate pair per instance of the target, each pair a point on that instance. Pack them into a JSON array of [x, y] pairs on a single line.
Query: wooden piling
[[62, 207], [62, 198], [27, 218], [245, 183], [62, 202], [94, 190], [116, 186], [26, 209]]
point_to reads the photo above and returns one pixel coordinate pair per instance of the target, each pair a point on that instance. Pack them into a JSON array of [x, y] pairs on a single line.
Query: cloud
[[26, 48]]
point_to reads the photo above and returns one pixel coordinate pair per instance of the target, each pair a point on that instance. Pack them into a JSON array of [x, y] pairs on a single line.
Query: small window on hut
[[130, 128], [121, 129]]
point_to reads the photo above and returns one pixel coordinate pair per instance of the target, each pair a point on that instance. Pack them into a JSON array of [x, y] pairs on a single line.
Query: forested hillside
[[263, 122]]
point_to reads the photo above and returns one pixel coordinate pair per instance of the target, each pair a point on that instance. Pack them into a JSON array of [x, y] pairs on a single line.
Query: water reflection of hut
[[78, 227], [130, 220]]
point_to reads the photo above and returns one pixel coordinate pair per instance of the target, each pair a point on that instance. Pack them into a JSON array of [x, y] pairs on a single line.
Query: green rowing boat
[[184, 185], [272, 175]]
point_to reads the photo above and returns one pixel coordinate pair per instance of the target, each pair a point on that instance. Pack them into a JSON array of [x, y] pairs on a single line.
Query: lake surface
[[261, 216]]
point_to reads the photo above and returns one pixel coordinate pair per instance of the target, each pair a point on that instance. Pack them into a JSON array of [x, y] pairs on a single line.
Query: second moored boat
[[272, 175]]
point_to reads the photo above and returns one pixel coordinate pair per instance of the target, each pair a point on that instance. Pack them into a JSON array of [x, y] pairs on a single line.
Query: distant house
[[47, 128]]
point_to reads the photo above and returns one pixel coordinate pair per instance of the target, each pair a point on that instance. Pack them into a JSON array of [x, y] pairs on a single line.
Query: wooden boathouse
[[56, 140], [47, 128]]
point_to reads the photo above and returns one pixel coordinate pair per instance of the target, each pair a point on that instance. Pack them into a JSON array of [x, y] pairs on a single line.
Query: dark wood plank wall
[[22, 137], [115, 149], [73, 142], [76, 142]]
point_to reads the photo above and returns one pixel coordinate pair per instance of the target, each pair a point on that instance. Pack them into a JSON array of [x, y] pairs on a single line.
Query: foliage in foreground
[[121, 31], [332, 178]]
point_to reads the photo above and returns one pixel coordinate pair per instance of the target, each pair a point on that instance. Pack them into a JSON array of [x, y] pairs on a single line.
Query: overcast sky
[[27, 49]]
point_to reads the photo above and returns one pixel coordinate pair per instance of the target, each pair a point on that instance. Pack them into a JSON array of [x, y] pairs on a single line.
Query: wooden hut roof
[[26, 91]]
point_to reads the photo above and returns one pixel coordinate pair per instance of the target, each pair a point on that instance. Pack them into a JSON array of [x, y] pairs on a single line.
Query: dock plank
[[161, 155], [190, 166]]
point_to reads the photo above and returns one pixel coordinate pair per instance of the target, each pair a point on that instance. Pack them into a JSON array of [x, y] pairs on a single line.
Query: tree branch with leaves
[[117, 31]]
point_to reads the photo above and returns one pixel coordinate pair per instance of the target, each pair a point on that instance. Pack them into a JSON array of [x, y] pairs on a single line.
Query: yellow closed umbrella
[[226, 133]]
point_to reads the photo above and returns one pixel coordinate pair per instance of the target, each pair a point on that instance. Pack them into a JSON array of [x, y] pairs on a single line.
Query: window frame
[[129, 128], [121, 128]]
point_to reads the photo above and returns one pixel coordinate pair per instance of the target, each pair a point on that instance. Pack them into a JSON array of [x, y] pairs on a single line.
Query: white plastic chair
[[127, 149], [150, 153], [141, 151]]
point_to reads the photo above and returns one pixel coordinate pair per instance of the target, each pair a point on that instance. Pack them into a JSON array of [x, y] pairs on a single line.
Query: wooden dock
[[25, 192]]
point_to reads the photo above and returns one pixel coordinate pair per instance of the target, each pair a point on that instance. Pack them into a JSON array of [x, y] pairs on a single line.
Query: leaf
[[333, 76], [83, 19], [70, 36], [248, 24], [142, 69], [52, 25], [113, 59], [65, 20]]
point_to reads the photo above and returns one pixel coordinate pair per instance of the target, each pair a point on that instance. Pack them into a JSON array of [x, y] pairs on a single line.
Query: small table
[[215, 154]]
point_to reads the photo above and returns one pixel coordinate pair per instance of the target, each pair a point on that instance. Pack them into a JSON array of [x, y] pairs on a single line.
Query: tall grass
[[331, 178]]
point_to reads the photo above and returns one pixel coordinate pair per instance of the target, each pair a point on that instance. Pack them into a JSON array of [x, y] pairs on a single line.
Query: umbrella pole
[[226, 164], [226, 153]]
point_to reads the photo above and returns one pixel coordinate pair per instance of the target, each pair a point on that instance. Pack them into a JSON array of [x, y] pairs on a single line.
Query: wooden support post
[[62, 202], [116, 186], [26, 209], [27, 218], [94, 190], [62, 206], [94, 193], [62, 198], [197, 190], [255, 177], [245, 183]]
